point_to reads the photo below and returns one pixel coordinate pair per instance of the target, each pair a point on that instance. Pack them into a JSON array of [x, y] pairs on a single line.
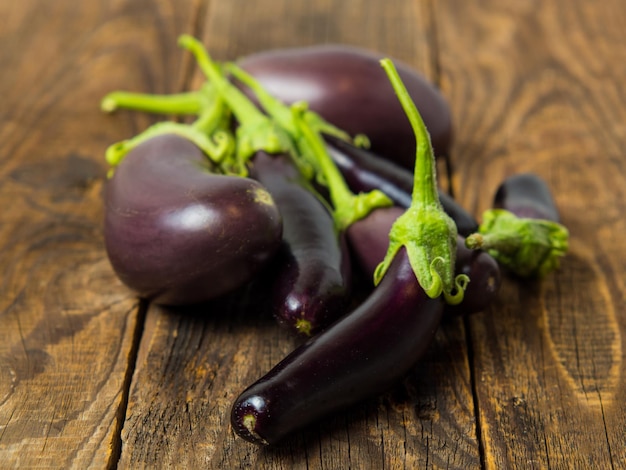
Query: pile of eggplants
[[311, 167]]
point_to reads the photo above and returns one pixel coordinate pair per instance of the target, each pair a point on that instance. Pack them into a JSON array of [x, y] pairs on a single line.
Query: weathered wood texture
[[89, 378], [543, 91], [68, 329]]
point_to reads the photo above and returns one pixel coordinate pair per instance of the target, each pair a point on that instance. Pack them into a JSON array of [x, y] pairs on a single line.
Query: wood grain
[[543, 93], [68, 329], [91, 378]]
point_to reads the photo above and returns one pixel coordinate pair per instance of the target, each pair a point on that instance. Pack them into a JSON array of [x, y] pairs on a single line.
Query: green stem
[[209, 132], [256, 131], [180, 103], [425, 230], [424, 175], [279, 111], [347, 207]]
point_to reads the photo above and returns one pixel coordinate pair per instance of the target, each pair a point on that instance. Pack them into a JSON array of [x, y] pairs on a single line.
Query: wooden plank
[[68, 329], [192, 365], [538, 86]]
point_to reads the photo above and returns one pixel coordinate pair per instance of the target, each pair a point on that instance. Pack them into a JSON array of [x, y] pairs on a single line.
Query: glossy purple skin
[[526, 195], [368, 240], [364, 171], [348, 87], [176, 233], [312, 282], [361, 355]]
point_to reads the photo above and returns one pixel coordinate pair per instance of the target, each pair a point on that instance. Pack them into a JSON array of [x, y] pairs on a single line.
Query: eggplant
[[364, 171], [526, 195], [176, 233], [345, 86], [312, 280], [361, 355], [368, 240]]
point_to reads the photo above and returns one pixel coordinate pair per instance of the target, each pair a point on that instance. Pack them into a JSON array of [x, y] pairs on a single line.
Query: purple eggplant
[[344, 85], [176, 233], [361, 355], [526, 195], [368, 240], [312, 282], [364, 171]]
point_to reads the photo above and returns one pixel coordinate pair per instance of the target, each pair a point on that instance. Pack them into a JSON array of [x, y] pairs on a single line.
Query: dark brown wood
[[68, 329], [541, 91], [91, 378]]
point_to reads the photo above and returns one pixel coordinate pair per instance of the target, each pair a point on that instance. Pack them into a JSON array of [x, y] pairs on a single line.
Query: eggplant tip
[[304, 327], [249, 424]]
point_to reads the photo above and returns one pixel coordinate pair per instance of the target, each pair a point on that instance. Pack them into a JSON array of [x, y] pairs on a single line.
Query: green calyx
[[527, 247], [256, 131], [425, 230], [274, 128], [305, 129], [209, 131], [347, 206]]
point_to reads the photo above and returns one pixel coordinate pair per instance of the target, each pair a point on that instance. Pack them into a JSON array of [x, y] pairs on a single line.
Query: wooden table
[[90, 377]]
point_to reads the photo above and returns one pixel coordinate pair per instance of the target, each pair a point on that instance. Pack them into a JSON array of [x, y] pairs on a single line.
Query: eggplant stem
[[256, 131], [179, 103], [347, 207], [425, 230]]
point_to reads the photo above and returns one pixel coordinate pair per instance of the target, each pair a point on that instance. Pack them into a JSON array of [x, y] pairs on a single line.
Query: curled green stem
[[425, 230]]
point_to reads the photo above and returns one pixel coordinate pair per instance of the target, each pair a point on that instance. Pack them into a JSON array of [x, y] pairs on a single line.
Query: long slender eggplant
[[361, 355], [364, 171], [368, 240], [312, 284]]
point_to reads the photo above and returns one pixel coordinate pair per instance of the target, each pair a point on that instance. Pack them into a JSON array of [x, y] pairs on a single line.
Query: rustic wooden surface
[[90, 377]]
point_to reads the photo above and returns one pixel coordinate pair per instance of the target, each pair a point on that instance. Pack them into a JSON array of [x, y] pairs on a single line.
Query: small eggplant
[[344, 85], [361, 355], [526, 195], [364, 171], [176, 233], [312, 283]]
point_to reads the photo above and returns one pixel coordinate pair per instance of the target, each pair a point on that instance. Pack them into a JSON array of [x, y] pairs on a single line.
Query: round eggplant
[[348, 88], [176, 233]]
